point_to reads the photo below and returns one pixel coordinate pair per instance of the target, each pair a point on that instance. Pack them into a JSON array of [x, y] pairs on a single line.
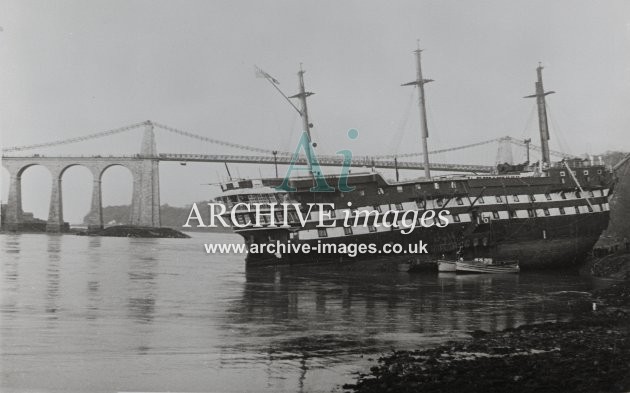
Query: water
[[89, 314]]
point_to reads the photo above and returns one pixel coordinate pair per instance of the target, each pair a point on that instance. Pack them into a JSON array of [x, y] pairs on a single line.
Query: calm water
[[107, 314]]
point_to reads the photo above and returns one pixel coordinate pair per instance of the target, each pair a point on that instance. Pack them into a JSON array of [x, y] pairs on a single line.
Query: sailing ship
[[548, 214]]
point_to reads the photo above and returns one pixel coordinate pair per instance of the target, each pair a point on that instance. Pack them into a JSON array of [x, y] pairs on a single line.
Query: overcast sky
[[70, 68]]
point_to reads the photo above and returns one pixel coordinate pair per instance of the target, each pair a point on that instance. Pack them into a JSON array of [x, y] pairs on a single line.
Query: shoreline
[[114, 231], [590, 353]]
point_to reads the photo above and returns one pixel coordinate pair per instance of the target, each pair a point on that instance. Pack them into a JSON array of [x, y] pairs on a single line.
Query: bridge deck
[[324, 160], [360, 161]]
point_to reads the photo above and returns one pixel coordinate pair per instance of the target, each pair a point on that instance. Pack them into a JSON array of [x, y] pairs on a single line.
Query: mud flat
[[135, 231], [589, 354]]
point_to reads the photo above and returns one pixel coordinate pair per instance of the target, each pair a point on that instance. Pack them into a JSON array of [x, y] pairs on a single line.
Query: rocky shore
[[616, 266], [589, 354]]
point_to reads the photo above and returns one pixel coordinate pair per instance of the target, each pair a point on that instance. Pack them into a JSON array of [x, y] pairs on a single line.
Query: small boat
[[486, 265], [404, 267], [445, 266]]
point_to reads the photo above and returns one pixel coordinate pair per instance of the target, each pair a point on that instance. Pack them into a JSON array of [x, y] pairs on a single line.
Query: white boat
[[486, 265], [446, 266]]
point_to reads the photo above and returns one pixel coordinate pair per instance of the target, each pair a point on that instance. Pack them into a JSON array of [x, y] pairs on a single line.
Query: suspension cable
[[556, 153], [251, 148], [74, 140], [438, 151], [218, 142]]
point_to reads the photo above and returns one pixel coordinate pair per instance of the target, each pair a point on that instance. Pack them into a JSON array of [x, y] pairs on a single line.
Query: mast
[[543, 126], [303, 112], [420, 82], [306, 125]]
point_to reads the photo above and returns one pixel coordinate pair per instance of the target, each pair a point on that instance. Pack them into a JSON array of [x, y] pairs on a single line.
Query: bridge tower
[[504, 153], [145, 202]]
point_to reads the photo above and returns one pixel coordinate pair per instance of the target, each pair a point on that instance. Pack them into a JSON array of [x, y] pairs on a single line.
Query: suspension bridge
[[144, 167]]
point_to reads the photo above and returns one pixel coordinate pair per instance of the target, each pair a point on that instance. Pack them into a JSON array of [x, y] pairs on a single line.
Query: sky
[[71, 68]]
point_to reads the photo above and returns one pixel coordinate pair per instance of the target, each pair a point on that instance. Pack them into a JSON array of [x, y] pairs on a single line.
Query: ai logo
[[313, 166]]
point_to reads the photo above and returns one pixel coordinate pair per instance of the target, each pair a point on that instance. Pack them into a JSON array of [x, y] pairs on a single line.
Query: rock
[[588, 354]]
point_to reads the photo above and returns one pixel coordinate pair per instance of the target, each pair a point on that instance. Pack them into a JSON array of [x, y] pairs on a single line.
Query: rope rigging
[[558, 133], [394, 143]]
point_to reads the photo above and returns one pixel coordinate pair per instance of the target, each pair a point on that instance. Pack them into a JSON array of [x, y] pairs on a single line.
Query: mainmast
[[420, 82], [542, 115]]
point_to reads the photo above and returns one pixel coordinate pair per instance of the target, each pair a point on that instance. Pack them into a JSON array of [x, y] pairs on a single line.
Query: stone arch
[[23, 168], [145, 200], [73, 174], [101, 172], [104, 168], [17, 201], [66, 167]]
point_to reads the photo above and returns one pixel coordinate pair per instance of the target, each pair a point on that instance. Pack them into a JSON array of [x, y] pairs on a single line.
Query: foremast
[[543, 125], [302, 111], [420, 82]]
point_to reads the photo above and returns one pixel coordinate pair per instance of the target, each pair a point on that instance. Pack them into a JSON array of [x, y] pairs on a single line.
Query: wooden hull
[[446, 266], [569, 240], [476, 267], [542, 221]]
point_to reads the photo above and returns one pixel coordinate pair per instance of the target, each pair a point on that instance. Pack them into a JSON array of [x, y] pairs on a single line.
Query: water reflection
[[53, 276], [142, 285], [301, 313], [118, 314], [142, 289], [11, 273], [94, 263], [141, 303]]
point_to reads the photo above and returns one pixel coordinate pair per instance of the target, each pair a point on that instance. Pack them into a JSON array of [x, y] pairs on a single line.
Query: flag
[[262, 74]]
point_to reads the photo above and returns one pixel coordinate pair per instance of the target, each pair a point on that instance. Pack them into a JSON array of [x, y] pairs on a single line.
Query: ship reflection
[[296, 314]]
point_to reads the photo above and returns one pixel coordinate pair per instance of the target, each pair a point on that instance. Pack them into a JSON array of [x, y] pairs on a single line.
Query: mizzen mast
[[543, 125], [420, 82]]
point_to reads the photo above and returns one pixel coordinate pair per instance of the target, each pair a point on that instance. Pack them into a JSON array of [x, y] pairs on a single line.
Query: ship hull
[[547, 219], [564, 243], [471, 267]]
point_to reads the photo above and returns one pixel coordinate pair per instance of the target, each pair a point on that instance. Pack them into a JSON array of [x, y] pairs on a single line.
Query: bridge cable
[[218, 142], [74, 140], [437, 151], [556, 153]]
